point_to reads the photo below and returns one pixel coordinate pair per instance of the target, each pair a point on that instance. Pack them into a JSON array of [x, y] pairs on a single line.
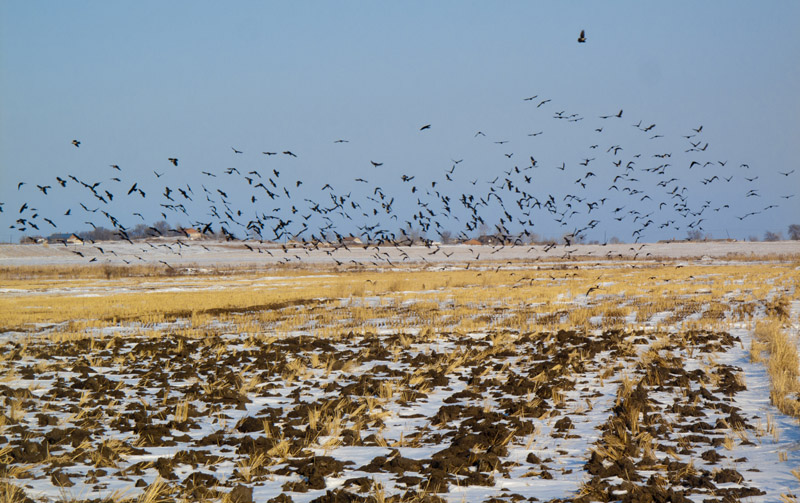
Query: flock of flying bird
[[255, 198]]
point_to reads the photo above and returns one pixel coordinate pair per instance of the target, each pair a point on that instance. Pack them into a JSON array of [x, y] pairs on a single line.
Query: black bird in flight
[[173, 160], [426, 126], [618, 114], [289, 152], [236, 151], [582, 37], [376, 164], [76, 143]]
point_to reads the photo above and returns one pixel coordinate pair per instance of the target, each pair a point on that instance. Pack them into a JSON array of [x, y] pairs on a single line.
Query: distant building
[[74, 240], [192, 234], [31, 240], [472, 242], [352, 240], [57, 238], [490, 240]]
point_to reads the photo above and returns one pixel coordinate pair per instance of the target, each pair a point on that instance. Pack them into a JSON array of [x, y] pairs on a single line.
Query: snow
[[766, 459]]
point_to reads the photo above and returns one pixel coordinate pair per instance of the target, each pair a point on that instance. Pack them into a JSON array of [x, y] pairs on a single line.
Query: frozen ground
[[647, 409], [509, 419]]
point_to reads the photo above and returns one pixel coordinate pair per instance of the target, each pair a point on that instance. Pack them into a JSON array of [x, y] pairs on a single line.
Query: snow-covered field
[[207, 253], [365, 398]]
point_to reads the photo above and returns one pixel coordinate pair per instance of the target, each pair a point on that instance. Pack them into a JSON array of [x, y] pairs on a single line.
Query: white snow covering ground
[[764, 453]]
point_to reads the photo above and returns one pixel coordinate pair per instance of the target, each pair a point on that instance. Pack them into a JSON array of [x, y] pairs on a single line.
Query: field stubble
[[600, 382]]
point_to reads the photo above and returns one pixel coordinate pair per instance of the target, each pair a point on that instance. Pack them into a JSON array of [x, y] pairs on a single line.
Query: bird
[[568, 211], [582, 37], [173, 160], [618, 114], [76, 143]]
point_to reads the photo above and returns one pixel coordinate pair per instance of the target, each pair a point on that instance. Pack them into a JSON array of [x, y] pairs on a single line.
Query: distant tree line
[[412, 236], [793, 232]]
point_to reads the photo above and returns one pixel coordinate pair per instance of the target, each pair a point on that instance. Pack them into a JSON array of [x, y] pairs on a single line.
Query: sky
[[139, 83]]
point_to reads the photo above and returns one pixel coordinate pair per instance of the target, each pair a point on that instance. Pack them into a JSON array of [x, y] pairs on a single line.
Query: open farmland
[[590, 380]]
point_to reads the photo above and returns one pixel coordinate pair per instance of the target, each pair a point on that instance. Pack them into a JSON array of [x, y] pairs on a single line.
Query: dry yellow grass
[[783, 364], [44, 296], [418, 305]]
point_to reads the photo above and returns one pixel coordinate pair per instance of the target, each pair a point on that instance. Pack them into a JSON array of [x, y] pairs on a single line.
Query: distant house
[[192, 234], [490, 240], [74, 240], [472, 242], [57, 238], [30, 240], [352, 240]]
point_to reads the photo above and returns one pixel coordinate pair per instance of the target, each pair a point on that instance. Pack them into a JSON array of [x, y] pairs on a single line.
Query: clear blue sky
[[137, 83]]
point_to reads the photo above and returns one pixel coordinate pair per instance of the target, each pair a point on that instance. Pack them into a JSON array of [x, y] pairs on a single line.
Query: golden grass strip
[[782, 364]]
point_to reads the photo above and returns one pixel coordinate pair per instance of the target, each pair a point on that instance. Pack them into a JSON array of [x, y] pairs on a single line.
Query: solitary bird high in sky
[[582, 37]]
